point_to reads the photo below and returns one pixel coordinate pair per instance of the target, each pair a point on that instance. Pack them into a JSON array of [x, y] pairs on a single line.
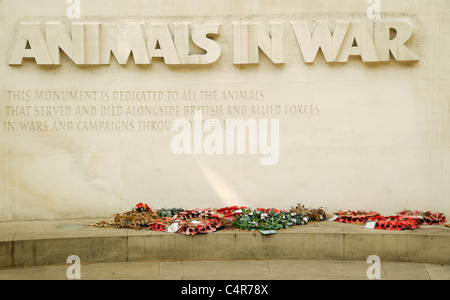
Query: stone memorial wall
[[342, 104]]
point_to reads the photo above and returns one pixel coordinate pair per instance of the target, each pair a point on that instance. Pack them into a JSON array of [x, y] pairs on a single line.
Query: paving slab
[[438, 272], [318, 268], [243, 268], [252, 277], [233, 270], [121, 270], [405, 271]]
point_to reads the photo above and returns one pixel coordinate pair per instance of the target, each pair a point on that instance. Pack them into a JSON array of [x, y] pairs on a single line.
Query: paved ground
[[233, 270]]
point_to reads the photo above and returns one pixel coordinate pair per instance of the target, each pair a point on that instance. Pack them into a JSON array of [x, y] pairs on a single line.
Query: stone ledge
[[35, 243]]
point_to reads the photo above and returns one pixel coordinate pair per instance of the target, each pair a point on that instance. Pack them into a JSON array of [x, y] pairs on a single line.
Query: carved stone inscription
[[127, 110], [94, 43]]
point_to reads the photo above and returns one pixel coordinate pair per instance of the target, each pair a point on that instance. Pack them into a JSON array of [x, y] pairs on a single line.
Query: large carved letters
[[91, 43], [355, 39], [403, 31], [322, 38], [30, 43], [249, 37]]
